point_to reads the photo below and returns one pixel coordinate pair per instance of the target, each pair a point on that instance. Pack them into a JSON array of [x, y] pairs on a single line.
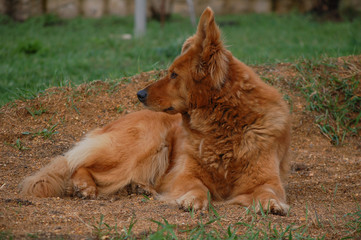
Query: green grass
[[46, 51]]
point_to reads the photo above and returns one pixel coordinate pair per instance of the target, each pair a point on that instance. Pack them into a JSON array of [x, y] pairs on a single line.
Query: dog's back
[[133, 149]]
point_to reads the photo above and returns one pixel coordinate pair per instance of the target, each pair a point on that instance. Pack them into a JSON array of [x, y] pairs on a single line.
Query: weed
[[145, 198], [6, 234], [288, 99], [45, 133], [323, 188], [103, 230], [18, 145], [128, 234], [36, 112], [165, 230], [334, 196], [120, 108], [113, 85], [72, 104], [318, 222], [33, 236], [204, 230], [213, 214]]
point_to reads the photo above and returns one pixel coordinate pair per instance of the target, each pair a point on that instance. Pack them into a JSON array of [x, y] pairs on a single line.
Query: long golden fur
[[215, 127]]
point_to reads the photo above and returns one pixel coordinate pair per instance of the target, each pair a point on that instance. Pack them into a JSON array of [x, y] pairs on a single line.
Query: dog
[[212, 128]]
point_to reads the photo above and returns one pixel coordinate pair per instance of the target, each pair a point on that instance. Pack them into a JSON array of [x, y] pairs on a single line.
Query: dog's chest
[[216, 161], [213, 141], [214, 155]]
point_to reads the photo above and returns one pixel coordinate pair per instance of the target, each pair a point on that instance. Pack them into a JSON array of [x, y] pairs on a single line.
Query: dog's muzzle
[[142, 95]]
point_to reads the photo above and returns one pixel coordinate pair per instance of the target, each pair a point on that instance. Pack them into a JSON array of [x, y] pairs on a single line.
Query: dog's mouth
[[169, 110]]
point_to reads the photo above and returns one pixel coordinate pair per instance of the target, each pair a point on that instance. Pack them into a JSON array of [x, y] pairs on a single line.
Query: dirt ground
[[323, 189]]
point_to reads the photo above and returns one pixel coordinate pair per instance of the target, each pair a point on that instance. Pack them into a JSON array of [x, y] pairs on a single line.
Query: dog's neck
[[224, 111]]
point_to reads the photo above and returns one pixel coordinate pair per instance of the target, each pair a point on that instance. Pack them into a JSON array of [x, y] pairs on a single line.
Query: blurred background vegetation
[[44, 50]]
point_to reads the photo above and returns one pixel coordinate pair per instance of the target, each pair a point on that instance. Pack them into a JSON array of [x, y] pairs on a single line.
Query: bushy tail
[[52, 180]]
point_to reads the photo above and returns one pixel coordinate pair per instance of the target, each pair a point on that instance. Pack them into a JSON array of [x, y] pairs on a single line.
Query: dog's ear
[[213, 55], [187, 44]]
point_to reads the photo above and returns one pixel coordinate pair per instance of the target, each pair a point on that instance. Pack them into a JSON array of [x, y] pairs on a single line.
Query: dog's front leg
[[192, 196], [261, 188], [263, 198], [183, 186]]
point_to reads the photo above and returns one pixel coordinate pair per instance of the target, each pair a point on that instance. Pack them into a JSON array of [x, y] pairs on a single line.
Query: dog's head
[[201, 69]]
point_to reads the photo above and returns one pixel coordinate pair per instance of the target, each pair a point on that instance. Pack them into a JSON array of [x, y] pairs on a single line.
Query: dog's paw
[[138, 189], [272, 206], [191, 200], [85, 191]]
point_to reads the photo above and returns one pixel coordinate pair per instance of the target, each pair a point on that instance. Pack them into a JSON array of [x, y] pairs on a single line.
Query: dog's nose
[[142, 95]]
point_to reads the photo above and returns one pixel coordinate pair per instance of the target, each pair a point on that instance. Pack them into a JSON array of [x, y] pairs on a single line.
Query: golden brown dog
[[224, 131]]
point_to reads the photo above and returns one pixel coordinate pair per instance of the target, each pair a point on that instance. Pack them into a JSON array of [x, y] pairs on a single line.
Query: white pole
[[191, 12], [140, 17]]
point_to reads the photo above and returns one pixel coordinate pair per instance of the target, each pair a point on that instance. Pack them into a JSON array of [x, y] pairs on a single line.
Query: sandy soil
[[323, 189]]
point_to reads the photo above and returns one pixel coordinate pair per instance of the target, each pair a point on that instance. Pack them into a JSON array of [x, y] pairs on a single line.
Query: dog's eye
[[173, 75]]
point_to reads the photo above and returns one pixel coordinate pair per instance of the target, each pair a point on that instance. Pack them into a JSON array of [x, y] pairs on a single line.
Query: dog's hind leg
[[83, 183]]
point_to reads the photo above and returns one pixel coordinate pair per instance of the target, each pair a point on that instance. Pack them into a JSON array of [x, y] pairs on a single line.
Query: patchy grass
[[102, 230], [354, 224], [251, 226], [332, 90], [210, 225], [46, 133], [46, 51], [36, 111]]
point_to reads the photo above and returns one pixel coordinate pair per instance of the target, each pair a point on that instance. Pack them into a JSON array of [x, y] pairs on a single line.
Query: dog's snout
[[142, 95]]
